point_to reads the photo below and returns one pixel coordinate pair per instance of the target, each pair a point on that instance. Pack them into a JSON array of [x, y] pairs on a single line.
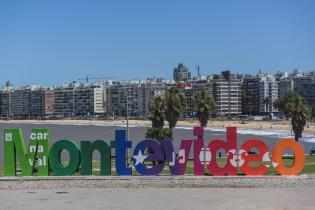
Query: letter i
[[198, 152]]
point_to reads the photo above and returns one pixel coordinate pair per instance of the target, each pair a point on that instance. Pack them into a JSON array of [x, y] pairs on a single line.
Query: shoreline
[[263, 125]]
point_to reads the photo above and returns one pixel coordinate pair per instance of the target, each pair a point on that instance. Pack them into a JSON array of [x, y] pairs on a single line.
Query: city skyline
[[90, 79], [56, 42], [234, 94]]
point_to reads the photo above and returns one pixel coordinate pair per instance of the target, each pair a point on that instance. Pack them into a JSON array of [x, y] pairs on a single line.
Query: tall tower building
[[181, 73], [268, 91], [5, 100], [250, 95], [227, 92]]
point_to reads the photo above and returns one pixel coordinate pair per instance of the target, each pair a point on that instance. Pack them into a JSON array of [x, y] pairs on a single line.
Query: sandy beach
[[79, 130], [275, 125]]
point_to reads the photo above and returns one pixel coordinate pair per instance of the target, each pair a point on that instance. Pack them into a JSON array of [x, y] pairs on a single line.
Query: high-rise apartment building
[[21, 102], [5, 101], [268, 94], [134, 95], [181, 73], [31, 102], [185, 88], [227, 92], [285, 85], [79, 99], [204, 83], [260, 92], [152, 88], [305, 87], [250, 95], [5, 104], [123, 96], [42, 103]]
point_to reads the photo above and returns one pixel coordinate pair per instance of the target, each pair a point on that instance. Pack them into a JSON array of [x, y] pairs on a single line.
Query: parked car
[[312, 151]]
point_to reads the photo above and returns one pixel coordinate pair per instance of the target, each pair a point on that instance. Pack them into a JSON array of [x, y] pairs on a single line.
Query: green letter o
[[54, 158]]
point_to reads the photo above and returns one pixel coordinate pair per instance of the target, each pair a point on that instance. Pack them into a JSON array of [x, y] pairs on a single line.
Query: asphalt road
[[159, 198]]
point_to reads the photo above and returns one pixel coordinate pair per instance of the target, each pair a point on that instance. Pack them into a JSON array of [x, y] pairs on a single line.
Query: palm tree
[[296, 108], [175, 105], [156, 109], [267, 102], [159, 134], [204, 105]]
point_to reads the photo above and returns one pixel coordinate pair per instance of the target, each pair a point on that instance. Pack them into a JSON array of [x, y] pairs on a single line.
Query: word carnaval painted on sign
[[48, 159]]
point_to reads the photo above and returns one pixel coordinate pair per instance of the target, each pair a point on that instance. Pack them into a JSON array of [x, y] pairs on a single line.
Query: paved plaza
[[159, 198]]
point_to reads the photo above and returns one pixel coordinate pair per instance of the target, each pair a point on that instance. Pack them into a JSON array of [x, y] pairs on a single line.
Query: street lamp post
[[127, 120], [73, 108], [127, 113]]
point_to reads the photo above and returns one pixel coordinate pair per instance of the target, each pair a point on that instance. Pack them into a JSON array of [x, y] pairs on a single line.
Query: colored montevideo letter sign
[[149, 156]]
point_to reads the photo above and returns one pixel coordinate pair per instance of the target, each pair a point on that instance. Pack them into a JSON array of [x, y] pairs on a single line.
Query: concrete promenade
[[54, 182], [159, 199], [156, 193]]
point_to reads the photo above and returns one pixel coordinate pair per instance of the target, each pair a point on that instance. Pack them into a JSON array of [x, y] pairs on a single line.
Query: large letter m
[[35, 155]]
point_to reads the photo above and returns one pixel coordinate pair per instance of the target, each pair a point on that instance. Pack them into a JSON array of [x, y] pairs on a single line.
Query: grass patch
[[309, 167]]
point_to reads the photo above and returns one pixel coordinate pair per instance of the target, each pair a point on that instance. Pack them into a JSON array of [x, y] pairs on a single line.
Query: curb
[[16, 183]]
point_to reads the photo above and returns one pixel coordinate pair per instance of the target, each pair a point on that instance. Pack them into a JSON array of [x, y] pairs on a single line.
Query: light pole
[[292, 104], [9, 106], [73, 108], [127, 113], [127, 120]]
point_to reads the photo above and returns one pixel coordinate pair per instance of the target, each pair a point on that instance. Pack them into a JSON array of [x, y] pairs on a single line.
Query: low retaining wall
[[157, 182]]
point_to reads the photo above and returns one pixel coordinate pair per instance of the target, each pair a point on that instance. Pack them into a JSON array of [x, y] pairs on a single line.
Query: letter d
[[229, 146]]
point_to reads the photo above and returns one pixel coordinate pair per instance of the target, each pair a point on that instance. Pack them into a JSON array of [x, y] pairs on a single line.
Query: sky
[[53, 42]]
